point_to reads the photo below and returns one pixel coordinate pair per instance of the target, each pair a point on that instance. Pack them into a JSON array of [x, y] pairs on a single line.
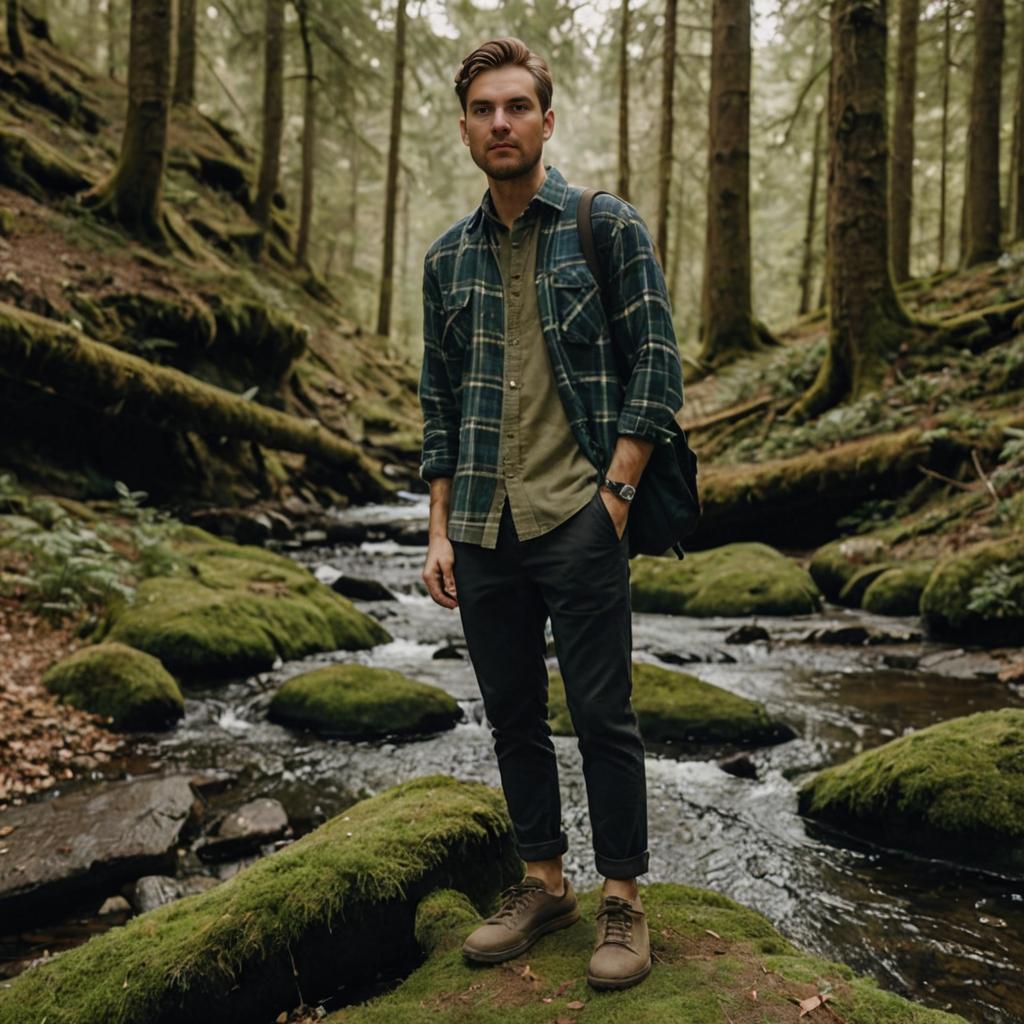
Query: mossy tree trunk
[[14, 41], [944, 143], [668, 79], [901, 197], [273, 110], [133, 194], [185, 70], [728, 323], [1017, 163], [982, 208], [391, 186], [867, 323], [623, 185], [308, 135]]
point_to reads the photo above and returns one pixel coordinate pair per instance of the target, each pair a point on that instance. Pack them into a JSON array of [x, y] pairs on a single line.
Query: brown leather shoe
[[527, 912], [622, 950]]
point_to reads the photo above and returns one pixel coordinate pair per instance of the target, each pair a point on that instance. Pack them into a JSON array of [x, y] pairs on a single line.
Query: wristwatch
[[627, 492]]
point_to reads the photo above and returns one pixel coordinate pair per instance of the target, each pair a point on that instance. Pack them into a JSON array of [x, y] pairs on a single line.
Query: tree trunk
[[902, 182], [1017, 163], [14, 43], [111, 39], [92, 18], [132, 195], [807, 267], [185, 71], [391, 187], [944, 155], [273, 111], [308, 137], [866, 321], [624, 102], [728, 324], [983, 216], [668, 77], [352, 214]]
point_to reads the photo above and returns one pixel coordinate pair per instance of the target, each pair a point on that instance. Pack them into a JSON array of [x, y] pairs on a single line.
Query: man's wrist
[[625, 492]]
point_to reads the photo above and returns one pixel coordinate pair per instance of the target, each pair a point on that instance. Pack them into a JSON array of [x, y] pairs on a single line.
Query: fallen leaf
[[812, 1003], [547, 999], [753, 994], [6, 831], [710, 932], [576, 1004], [528, 974]]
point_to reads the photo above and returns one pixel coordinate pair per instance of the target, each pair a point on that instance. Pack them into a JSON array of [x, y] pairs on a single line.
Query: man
[[533, 447]]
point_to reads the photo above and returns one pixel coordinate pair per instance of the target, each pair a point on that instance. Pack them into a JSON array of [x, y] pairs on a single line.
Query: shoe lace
[[514, 898], [618, 915]]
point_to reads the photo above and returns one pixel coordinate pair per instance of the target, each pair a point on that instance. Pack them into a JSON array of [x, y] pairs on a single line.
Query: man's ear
[[462, 131], [549, 123]]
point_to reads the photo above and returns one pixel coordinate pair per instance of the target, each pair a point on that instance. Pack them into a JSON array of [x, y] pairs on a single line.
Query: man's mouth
[[503, 145]]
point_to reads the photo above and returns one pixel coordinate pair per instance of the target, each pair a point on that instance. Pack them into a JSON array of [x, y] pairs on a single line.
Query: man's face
[[503, 125]]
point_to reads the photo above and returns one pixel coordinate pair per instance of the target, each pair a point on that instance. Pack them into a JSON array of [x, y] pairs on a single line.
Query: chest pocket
[[578, 306], [458, 324]]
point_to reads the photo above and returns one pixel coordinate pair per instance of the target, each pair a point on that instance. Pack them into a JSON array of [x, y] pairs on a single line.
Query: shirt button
[[510, 474], [513, 385]]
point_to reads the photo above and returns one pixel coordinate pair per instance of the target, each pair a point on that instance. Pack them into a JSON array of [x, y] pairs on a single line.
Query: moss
[[674, 706], [977, 595], [441, 917], [236, 609], [957, 787], [737, 579], [128, 686], [361, 702], [709, 954], [898, 591], [338, 904], [853, 589], [834, 564]]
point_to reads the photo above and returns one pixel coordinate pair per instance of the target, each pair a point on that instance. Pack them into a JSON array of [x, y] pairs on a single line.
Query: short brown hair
[[498, 53]]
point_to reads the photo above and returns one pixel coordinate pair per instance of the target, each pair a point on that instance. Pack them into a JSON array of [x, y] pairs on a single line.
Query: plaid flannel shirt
[[464, 343]]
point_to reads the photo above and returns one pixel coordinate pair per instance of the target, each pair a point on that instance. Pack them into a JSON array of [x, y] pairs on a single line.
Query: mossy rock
[[235, 610], [676, 707], [710, 953], [336, 907], [361, 702], [977, 595], [898, 591], [737, 579], [834, 564], [853, 590], [956, 788], [114, 680]]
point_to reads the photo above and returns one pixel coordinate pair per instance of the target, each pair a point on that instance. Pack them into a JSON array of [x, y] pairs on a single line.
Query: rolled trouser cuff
[[543, 851], [628, 868]]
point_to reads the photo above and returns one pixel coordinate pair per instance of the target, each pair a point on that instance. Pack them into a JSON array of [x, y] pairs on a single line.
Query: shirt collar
[[554, 193]]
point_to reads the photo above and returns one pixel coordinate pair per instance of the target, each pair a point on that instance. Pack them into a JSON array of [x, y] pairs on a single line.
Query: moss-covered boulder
[[236, 609], [331, 911], [853, 590], [834, 564], [977, 595], [898, 591], [737, 579], [360, 702], [676, 707], [956, 788], [715, 961], [127, 686]]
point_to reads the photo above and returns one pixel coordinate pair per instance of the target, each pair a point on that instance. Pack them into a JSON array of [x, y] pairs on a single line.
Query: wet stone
[[244, 831], [747, 634], [361, 590]]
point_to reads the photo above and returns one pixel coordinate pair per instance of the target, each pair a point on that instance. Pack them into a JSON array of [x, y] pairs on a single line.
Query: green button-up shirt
[[462, 380]]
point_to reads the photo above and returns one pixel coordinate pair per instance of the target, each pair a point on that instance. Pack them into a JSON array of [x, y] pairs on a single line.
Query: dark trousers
[[578, 574]]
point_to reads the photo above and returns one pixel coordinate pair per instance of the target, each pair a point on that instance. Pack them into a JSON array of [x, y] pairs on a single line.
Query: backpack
[[666, 508]]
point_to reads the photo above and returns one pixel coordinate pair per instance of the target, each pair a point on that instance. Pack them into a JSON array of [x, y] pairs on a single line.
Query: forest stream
[[939, 933]]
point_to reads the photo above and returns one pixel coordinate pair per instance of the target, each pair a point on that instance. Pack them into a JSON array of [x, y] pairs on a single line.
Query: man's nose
[[499, 123]]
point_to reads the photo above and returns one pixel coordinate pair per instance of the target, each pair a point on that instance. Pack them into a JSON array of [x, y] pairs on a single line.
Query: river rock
[[977, 595], [129, 687], [955, 788], [680, 708], [90, 841], [244, 831], [235, 610], [336, 909], [361, 590], [834, 564], [715, 961], [748, 634], [361, 702], [154, 891], [239, 524], [737, 579], [897, 591], [853, 589]]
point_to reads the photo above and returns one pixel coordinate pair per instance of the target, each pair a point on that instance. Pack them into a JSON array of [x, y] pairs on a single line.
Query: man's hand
[[438, 572], [617, 509]]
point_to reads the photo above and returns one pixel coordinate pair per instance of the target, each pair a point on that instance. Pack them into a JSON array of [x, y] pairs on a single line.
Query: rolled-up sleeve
[[643, 328], [438, 402]]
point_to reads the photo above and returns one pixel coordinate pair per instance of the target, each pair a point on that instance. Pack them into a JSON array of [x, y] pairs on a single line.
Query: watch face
[[627, 492]]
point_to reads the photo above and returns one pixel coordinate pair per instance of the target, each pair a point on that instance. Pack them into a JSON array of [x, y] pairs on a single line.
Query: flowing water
[[943, 934]]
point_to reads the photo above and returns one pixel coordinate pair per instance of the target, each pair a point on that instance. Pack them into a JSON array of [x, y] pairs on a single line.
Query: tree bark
[[728, 324], [867, 323], [668, 77], [901, 198], [308, 136], [807, 267], [1017, 163], [111, 39], [14, 41], [624, 182], [273, 111], [185, 70], [353, 210], [391, 187], [133, 194], [92, 17], [983, 215], [944, 155]]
